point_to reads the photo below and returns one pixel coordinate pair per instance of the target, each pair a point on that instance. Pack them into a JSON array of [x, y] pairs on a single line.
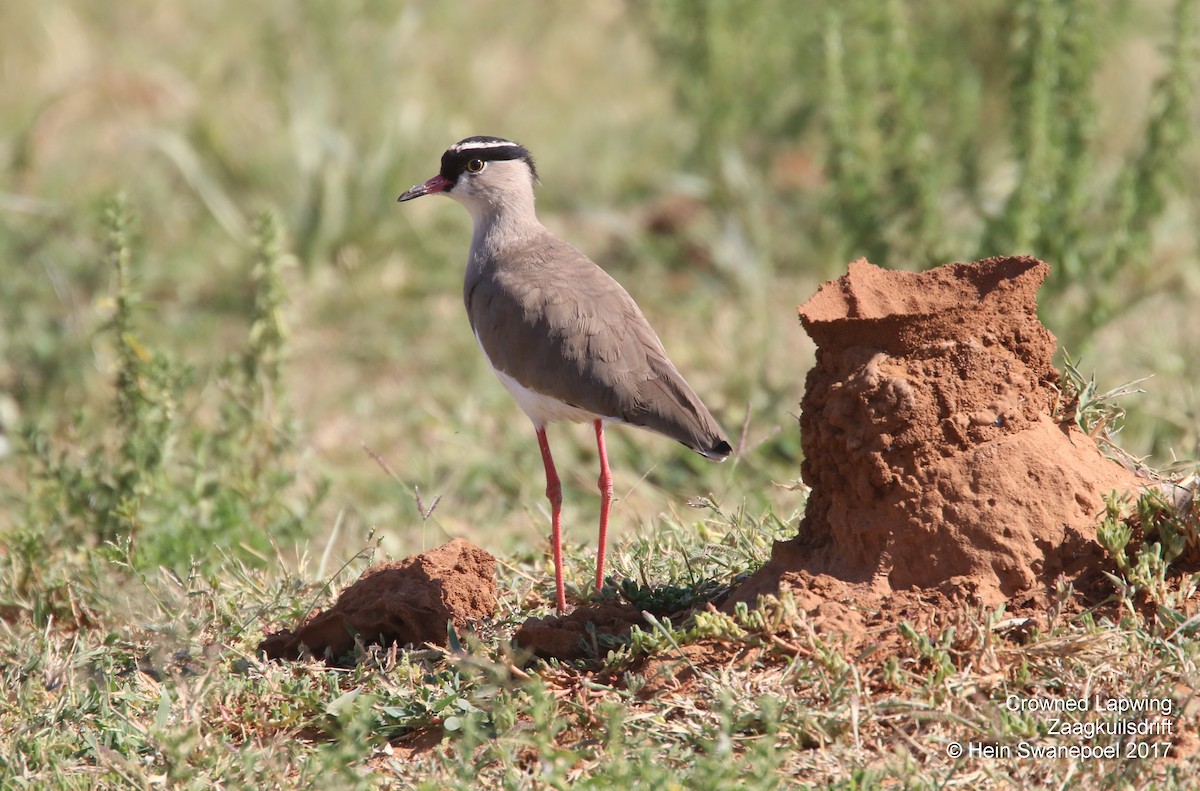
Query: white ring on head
[[458, 148]]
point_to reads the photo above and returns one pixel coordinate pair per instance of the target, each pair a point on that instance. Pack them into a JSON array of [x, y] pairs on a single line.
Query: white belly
[[544, 409]]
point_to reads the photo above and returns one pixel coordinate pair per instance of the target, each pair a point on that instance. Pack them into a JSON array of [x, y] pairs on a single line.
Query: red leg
[[554, 494], [606, 491]]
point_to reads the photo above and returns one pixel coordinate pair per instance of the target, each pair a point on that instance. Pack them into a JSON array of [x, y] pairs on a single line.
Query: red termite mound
[[404, 602], [935, 443]]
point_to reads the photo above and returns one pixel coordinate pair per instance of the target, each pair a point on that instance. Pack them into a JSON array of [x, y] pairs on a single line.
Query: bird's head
[[485, 174]]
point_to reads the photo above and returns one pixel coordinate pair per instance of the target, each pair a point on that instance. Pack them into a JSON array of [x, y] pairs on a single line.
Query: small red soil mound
[[567, 636], [932, 446], [405, 601]]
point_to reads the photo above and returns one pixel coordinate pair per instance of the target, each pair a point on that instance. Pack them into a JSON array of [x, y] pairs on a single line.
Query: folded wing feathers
[[554, 321]]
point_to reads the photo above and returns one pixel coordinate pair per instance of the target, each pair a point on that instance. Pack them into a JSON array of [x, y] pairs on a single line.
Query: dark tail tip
[[720, 450]]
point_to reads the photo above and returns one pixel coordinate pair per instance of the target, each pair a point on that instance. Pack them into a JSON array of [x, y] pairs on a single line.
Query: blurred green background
[[720, 159]]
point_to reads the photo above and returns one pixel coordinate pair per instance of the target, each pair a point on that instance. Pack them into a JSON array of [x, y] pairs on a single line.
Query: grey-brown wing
[[558, 324]]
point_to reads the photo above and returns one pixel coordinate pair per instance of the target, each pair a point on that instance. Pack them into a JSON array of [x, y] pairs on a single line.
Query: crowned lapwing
[[563, 337]]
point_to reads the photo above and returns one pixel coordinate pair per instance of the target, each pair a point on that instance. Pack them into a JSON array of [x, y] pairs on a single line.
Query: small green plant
[[937, 653], [1097, 414], [146, 389], [1143, 539], [101, 492], [266, 351], [668, 599]]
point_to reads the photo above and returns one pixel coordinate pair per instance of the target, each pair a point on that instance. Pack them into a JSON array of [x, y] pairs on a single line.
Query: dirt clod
[[568, 636], [405, 601], [932, 445]]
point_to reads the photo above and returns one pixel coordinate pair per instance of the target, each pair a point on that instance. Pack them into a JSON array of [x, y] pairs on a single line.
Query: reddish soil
[[933, 449], [404, 602], [568, 636]]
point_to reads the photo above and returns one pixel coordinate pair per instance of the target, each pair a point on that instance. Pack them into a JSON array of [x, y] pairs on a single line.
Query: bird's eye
[[475, 165]]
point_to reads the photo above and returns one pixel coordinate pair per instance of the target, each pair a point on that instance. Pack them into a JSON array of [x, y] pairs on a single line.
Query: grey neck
[[497, 229]]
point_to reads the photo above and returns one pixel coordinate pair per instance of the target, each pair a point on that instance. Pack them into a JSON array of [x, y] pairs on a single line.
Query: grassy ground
[[189, 388]]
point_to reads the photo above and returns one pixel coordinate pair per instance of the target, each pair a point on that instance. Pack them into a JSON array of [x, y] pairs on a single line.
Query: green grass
[[225, 392], [164, 694]]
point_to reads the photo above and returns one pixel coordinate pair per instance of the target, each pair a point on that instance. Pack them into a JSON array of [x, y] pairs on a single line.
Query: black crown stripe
[[454, 162]]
